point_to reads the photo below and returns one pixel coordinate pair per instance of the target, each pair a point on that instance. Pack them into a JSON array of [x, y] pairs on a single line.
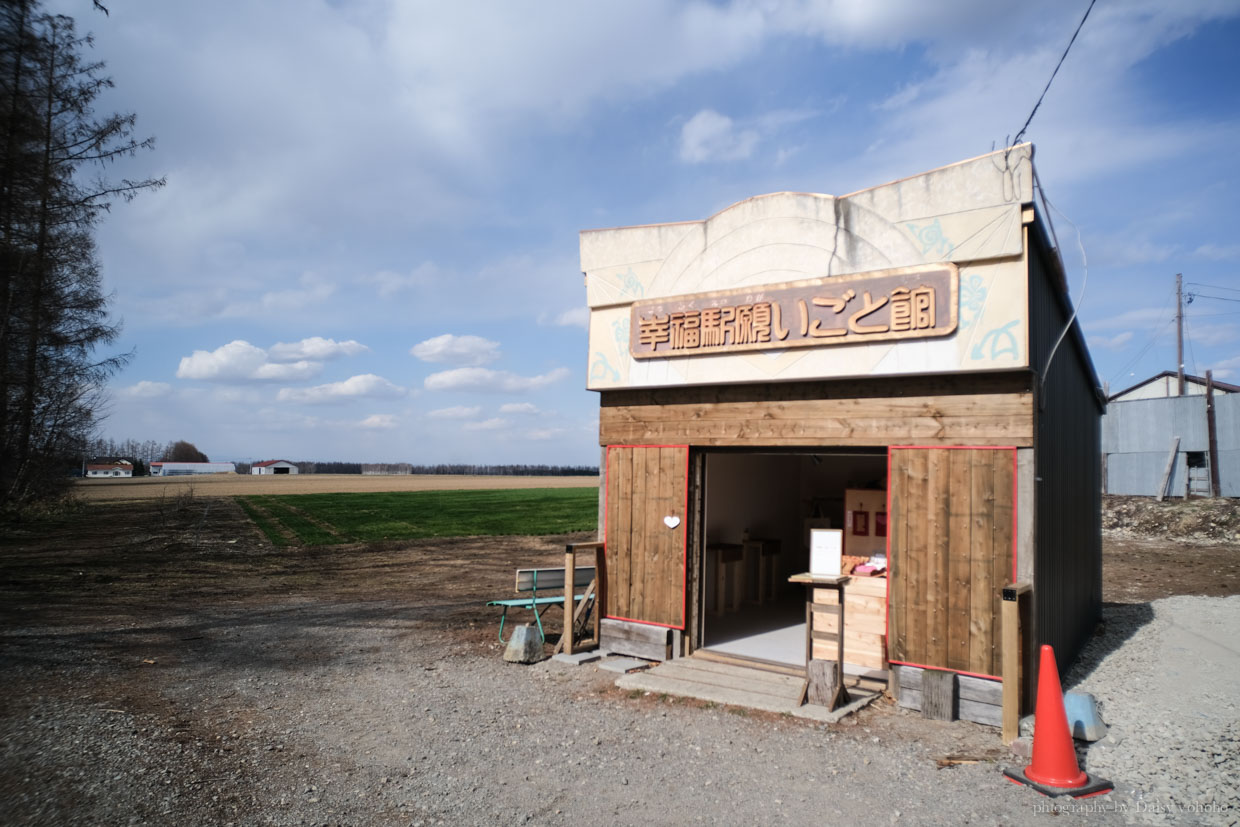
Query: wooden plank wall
[[646, 558], [1067, 566], [951, 554], [977, 409]]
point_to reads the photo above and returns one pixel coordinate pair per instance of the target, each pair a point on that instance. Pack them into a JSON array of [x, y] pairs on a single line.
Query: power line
[[1148, 344], [1192, 296], [1212, 286], [1062, 57]]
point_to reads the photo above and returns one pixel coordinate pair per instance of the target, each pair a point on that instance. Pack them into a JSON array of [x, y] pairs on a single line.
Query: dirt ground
[[163, 663], [232, 485]]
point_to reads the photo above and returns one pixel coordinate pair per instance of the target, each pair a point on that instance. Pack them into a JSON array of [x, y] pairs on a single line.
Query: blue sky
[[367, 248]]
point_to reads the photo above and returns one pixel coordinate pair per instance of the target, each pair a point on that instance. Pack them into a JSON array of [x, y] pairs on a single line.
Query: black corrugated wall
[[1067, 497]]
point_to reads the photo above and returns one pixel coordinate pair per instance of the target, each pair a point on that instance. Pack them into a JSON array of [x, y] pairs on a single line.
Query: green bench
[[551, 583]]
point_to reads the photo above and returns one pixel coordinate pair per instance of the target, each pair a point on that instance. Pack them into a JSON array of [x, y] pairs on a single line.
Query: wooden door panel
[[645, 556], [951, 553]]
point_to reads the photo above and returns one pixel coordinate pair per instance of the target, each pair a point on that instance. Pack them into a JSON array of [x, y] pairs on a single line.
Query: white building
[[1166, 384], [273, 466], [183, 469], [111, 470]]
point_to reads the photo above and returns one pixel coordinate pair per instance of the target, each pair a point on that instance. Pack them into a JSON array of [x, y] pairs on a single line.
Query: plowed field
[[232, 485]]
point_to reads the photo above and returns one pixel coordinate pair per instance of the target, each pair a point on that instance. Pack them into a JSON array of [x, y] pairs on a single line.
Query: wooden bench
[[551, 583]]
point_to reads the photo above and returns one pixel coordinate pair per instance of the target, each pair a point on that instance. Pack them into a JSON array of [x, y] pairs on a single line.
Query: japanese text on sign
[[913, 302]]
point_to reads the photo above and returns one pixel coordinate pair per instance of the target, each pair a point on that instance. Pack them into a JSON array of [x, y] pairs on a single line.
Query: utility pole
[[1179, 330]]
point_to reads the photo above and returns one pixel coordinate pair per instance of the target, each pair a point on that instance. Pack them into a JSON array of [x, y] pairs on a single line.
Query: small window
[[1196, 459]]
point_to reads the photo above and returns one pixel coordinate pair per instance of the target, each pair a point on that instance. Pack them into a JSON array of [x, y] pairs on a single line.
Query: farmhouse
[[273, 466], [899, 365], [183, 469], [112, 470]]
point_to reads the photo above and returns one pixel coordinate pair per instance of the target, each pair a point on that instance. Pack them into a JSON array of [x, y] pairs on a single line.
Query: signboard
[[906, 303]]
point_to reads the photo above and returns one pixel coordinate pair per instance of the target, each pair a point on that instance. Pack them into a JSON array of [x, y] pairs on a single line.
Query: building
[[1166, 384], [120, 469], [273, 466], [756, 367], [183, 469], [1156, 443]]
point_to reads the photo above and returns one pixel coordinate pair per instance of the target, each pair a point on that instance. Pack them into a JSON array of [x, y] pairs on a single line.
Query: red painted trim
[[944, 669], [684, 536], [890, 563]]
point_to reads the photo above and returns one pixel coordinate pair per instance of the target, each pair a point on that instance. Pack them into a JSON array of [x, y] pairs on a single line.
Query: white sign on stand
[[826, 545]]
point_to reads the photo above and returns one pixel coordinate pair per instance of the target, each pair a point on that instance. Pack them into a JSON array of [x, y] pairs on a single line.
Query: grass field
[[330, 519]]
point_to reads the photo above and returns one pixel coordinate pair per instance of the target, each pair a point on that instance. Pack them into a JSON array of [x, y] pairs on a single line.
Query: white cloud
[[493, 424], [485, 380], [543, 434], [1115, 342], [573, 317], [390, 283], [1217, 252], [710, 136], [1227, 368], [367, 385], [315, 348], [241, 361], [457, 350], [379, 422], [455, 412], [1198, 333], [1145, 318], [148, 390], [313, 290], [518, 408]]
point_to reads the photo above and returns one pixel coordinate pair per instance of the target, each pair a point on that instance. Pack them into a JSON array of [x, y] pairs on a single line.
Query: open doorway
[[759, 509]]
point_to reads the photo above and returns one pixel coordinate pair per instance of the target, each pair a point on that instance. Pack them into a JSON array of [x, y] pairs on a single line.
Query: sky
[[367, 248]]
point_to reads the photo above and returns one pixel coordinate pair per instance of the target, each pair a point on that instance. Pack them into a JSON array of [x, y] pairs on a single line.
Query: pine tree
[[53, 312]]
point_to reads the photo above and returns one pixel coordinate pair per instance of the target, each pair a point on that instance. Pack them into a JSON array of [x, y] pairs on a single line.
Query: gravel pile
[[1167, 676], [1199, 520]]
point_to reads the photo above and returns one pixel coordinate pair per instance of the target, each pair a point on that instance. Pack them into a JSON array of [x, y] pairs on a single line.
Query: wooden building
[[912, 342]]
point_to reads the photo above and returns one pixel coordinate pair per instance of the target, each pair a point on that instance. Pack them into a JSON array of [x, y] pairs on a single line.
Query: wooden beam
[[1166, 477], [570, 564], [1012, 676], [1216, 489]]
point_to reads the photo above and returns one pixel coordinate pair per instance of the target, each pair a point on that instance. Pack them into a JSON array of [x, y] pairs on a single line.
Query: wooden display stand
[[824, 677]]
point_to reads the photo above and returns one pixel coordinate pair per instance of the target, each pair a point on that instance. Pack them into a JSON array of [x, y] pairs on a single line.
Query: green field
[[329, 519]]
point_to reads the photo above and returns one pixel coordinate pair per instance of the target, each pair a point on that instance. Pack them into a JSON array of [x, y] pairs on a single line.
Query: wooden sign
[[907, 303]]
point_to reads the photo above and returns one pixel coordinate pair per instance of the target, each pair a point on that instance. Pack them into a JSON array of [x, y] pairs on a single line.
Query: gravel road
[[300, 713], [213, 680]]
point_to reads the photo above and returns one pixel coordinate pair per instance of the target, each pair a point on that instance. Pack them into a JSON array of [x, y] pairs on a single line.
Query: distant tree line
[[451, 469], [101, 451]]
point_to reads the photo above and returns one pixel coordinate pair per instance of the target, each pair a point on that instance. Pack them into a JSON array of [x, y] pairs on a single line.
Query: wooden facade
[[991, 409], [992, 445]]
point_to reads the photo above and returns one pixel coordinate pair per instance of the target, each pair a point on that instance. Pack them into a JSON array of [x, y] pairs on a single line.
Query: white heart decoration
[[671, 521]]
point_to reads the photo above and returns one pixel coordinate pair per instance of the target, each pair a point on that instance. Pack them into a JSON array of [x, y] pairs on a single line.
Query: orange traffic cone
[[1054, 770]]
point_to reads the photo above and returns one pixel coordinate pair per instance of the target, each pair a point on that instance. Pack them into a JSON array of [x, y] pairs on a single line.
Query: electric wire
[[1212, 286], [1046, 368], [1062, 57], [1188, 339], [1148, 344], [1217, 298]]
